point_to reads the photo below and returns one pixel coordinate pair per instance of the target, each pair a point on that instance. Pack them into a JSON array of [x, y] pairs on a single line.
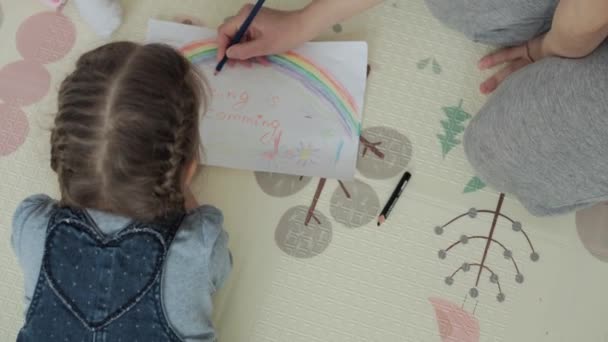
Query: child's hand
[[271, 32]]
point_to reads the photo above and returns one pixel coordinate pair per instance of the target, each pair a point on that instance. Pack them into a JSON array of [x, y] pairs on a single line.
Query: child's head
[[126, 133]]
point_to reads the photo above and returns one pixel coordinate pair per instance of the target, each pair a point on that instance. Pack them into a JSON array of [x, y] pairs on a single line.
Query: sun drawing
[[306, 154]]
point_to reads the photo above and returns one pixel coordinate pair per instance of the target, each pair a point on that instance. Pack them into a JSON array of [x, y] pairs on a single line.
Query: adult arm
[[274, 31], [578, 28]]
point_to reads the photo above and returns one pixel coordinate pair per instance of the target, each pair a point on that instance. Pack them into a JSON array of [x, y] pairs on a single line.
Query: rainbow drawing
[[296, 66]]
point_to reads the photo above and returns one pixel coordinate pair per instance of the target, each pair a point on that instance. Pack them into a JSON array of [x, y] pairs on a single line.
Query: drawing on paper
[[305, 154], [309, 127]]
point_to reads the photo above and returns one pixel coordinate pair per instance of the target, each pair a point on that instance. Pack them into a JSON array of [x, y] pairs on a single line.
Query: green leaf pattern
[[475, 184], [452, 127]]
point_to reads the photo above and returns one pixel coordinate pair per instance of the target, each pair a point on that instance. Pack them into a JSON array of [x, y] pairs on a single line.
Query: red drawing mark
[[344, 189], [494, 221], [272, 155], [275, 100], [454, 323], [313, 205], [243, 99], [263, 61], [372, 147]]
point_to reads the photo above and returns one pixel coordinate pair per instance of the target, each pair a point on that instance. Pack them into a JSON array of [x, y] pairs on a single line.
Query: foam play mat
[[456, 261]]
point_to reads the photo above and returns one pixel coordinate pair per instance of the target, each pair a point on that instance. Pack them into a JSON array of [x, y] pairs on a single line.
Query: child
[[126, 254]]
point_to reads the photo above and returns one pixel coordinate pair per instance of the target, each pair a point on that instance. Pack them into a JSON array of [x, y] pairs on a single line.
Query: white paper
[[264, 120]]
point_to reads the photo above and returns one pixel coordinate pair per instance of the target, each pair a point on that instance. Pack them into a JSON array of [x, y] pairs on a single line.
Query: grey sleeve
[[215, 242], [220, 262], [28, 236]]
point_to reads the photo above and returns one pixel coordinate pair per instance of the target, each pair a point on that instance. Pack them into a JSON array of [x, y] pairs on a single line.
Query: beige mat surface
[[416, 278]]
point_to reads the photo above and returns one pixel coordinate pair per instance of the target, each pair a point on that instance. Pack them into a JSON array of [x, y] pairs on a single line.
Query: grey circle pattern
[[500, 297], [472, 213], [516, 226], [337, 28], [473, 292], [449, 280], [519, 278], [438, 230], [534, 256], [464, 239], [507, 254], [280, 185], [357, 211], [494, 278], [301, 241], [397, 150], [466, 267], [441, 254]]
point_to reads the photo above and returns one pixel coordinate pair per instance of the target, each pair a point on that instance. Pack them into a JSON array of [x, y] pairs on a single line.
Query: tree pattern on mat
[[452, 127], [304, 232], [490, 240]]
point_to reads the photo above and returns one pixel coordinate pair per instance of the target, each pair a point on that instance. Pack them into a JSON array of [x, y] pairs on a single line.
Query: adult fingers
[[224, 34], [246, 50], [246, 9], [502, 56], [229, 29], [493, 82]]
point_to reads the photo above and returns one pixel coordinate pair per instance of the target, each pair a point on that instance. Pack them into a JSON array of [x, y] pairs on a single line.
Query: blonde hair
[[126, 128]]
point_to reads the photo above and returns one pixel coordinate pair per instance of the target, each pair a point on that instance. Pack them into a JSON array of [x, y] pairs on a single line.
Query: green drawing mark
[[475, 184], [436, 67], [452, 127], [423, 63]]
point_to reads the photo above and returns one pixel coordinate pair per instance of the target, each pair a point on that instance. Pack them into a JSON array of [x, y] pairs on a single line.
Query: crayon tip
[[381, 220], [215, 73]]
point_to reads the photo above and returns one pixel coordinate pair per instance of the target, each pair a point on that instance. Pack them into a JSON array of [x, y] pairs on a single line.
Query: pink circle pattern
[[13, 130], [23, 83], [41, 39]]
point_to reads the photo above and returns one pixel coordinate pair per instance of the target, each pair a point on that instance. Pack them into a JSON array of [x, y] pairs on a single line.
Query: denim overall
[[97, 288]]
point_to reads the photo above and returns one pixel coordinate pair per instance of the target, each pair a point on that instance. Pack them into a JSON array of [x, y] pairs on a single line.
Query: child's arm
[[274, 31], [30, 222], [220, 262]]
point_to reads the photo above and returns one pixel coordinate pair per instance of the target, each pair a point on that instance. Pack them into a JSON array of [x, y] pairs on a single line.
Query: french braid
[[126, 127]]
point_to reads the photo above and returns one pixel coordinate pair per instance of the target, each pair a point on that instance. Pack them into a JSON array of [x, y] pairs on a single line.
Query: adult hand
[[515, 58], [271, 32]]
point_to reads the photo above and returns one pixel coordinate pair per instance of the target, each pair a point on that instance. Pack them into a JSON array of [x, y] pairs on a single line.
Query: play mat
[[436, 271]]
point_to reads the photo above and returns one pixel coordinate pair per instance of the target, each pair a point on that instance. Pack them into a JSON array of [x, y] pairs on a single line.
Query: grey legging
[[543, 135]]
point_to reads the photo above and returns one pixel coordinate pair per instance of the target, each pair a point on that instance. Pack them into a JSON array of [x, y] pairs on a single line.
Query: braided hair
[[126, 128]]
